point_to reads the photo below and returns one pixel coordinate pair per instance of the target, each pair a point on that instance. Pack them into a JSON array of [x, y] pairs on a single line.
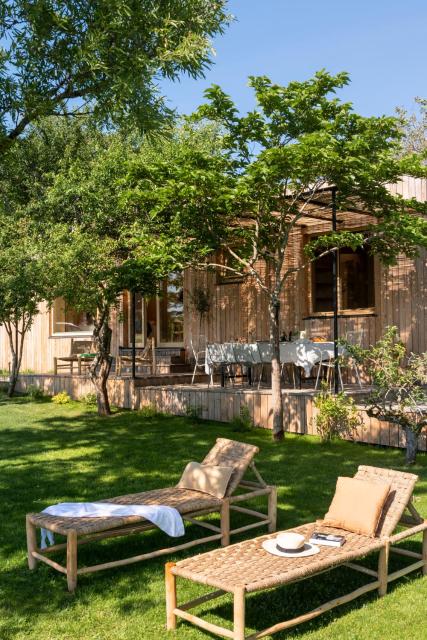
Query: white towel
[[167, 519]]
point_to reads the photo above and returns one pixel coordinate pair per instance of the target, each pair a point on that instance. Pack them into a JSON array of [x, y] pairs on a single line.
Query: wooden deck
[[220, 404]]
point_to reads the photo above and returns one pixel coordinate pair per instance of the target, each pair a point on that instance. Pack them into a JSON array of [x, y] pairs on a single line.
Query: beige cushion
[[357, 505], [207, 478]]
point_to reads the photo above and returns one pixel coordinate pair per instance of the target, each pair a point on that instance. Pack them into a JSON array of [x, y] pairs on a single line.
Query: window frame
[[65, 334], [342, 312]]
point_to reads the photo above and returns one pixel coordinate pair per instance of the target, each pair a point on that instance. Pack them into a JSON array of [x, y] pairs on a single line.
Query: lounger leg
[[31, 544], [225, 522], [383, 570], [72, 560], [272, 509], [55, 366], [239, 614], [170, 588], [425, 552]]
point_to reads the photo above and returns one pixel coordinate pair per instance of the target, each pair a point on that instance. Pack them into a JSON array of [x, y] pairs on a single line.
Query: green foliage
[[194, 414], [300, 139], [61, 398], [398, 381], [414, 130], [108, 54], [89, 399], [35, 393], [242, 423], [201, 300], [337, 415], [149, 411]]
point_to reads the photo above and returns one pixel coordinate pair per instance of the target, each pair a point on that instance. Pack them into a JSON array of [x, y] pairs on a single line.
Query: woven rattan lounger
[[246, 567], [190, 504]]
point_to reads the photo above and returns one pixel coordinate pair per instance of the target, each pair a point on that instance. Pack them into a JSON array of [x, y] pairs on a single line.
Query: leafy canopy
[[108, 54], [298, 141]]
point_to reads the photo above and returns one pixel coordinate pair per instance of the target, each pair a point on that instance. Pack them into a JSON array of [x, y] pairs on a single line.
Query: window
[[355, 281], [171, 309], [65, 319]]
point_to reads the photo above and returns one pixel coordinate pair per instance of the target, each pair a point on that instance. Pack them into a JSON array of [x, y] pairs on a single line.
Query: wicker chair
[[190, 504], [246, 567]]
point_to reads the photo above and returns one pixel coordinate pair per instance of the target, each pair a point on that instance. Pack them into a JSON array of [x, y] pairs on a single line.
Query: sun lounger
[[190, 504], [246, 567]]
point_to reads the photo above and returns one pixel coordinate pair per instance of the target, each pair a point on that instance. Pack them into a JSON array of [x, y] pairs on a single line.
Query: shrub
[[35, 393], [242, 422], [149, 411], [89, 399], [61, 398], [194, 414], [337, 415], [398, 387]]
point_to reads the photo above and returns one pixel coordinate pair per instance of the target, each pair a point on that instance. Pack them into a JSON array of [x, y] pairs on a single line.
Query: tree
[[24, 255], [398, 395], [106, 54], [414, 130], [300, 140], [115, 229], [26, 246]]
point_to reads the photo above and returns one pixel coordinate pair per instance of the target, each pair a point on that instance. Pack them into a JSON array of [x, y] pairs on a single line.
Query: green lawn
[[50, 454]]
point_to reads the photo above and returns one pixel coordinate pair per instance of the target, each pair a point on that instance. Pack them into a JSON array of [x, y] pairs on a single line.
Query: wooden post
[[72, 560], [154, 363], [225, 522], [239, 614], [424, 552], [55, 366], [31, 543], [170, 587], [383, 570], [272, 509]]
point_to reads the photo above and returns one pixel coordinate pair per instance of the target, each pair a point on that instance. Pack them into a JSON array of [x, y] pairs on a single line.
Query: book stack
[[327, 539]]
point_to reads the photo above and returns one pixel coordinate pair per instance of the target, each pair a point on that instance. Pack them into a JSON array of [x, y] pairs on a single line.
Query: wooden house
[[370, 297]]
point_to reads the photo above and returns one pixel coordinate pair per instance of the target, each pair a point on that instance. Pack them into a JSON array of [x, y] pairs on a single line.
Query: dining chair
[[244, 355], [199, 354], [265, 351], [288, 358]]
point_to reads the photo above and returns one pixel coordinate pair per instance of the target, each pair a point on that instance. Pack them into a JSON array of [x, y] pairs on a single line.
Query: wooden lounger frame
[[414, 525], [222, 532]]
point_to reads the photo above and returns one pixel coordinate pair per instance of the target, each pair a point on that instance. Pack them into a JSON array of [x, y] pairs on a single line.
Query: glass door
[[140, 329], [170, 311]]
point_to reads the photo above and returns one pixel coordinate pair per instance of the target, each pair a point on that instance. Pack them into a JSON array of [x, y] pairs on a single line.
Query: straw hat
[[290, 545]]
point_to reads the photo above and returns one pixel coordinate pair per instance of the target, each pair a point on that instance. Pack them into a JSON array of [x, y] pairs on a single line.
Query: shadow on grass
[[51, 454]]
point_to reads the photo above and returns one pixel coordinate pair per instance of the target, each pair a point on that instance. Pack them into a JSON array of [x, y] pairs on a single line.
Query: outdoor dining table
[[303, 354]]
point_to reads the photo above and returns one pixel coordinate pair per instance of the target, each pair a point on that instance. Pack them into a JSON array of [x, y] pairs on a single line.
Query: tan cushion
[[207, 478], [357, 505]]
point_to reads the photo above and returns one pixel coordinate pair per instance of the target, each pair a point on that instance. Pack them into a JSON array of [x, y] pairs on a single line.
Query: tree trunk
[[16, 343], [101, 365], [276, 381], [13, 375], [411, 445]]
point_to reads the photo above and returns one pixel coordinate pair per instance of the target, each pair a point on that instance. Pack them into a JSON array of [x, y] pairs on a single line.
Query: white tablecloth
[[306, 354], [302, 353]]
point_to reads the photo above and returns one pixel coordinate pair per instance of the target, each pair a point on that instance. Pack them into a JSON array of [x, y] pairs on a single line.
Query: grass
[[51, 453]]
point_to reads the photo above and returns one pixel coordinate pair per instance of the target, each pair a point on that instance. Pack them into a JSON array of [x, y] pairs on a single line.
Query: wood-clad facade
[[238, 309]]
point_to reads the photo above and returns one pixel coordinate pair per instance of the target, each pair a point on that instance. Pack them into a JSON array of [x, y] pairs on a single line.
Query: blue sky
[[381, 43]]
